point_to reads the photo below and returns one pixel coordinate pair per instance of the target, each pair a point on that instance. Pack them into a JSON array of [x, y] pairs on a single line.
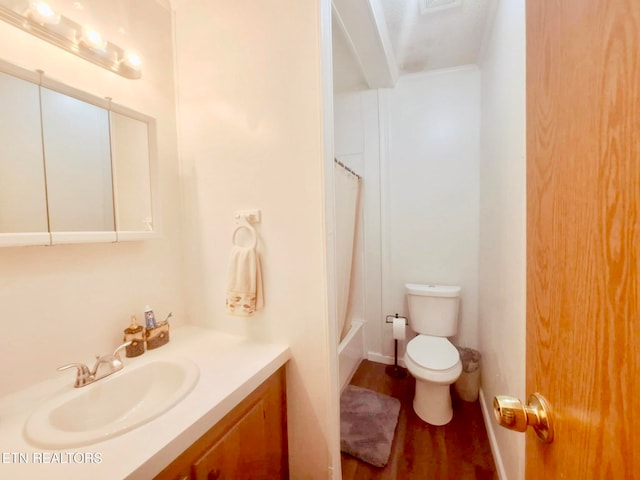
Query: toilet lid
[[435, 353]]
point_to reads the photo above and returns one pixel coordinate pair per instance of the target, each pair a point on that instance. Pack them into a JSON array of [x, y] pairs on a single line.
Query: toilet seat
[[434, 353], [434, 359]]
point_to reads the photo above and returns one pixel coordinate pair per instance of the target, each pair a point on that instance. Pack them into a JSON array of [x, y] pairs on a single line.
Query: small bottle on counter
[[135, 334], [149, 317]]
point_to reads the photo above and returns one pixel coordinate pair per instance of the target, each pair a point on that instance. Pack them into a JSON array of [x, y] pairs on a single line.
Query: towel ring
[[252, 231]]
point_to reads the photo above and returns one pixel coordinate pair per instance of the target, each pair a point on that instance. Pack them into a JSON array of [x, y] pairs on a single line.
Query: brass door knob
[[511, 413]]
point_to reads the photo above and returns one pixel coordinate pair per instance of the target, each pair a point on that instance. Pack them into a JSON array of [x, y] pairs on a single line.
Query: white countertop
[[230, 368]]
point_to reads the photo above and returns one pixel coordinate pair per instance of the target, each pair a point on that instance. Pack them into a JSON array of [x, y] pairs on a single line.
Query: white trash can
[[468, 385]]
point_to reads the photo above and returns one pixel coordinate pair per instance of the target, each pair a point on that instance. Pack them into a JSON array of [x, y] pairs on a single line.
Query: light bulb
[[43, 14], [93, 39], [132, 60]]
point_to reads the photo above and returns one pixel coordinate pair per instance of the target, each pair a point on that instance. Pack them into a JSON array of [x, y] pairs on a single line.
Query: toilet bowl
[[435, 364]]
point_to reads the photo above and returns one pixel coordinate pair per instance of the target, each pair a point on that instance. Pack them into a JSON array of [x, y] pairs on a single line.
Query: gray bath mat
[[367, 423]]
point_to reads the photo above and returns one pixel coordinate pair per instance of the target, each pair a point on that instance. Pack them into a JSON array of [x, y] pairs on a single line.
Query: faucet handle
[[117, 350], [80, 366], [83, 374]]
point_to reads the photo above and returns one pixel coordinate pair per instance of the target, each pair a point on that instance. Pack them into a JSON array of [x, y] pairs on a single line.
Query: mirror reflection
[[78, 164], [23, 205], [71, 169], [132, 184]]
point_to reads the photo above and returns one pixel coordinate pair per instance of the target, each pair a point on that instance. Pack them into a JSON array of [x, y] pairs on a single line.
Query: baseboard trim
[[384, 359], [489, 423]]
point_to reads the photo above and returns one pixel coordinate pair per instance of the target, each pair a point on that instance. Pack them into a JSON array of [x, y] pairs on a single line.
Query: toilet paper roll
[[399, 328]]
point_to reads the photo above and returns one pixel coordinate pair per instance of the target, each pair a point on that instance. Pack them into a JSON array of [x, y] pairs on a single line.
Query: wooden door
[[583, 235]]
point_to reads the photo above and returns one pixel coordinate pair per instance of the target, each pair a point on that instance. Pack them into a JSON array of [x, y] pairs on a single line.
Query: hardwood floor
[[457, 451]]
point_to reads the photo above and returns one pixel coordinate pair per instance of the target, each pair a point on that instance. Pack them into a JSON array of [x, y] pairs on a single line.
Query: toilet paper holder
[[391, 318], [395, 370]]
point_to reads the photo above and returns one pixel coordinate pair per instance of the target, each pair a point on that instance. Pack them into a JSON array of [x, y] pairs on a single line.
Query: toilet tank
[[433, 309]]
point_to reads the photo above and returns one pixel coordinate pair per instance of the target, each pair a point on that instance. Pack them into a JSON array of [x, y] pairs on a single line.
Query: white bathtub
[[350, 352]]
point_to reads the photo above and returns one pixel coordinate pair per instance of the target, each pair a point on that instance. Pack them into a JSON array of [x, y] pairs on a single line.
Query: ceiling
[[408, 40], [374, 41]]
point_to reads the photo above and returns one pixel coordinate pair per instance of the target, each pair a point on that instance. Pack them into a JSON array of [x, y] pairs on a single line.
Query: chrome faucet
[[107, 364]]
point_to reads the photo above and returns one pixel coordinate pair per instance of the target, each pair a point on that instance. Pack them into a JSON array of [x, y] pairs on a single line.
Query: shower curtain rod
[[347, 168]]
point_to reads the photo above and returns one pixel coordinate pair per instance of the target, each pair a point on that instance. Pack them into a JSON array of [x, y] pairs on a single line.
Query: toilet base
[[432, 402]]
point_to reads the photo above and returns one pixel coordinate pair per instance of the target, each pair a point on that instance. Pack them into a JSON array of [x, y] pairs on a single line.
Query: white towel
[[244, 291]]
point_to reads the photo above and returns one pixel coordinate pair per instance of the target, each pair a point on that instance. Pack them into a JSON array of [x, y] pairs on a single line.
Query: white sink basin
[[111, 406]]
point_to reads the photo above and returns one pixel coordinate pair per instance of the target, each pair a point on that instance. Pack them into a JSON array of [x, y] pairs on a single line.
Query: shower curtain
[[347, 206]]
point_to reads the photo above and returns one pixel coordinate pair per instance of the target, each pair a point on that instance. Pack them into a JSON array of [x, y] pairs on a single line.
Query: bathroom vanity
[[249, 442], [233, 418]]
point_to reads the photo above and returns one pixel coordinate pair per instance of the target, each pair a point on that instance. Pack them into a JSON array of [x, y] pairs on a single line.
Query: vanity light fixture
[[43, 22]]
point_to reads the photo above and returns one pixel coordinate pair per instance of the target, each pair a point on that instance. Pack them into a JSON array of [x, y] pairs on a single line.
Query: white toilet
[[430, 357]]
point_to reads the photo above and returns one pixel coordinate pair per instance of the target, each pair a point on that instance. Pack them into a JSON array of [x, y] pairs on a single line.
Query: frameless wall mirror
[[74, 168]]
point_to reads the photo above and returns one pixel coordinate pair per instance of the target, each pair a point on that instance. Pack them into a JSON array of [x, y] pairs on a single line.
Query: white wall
[[430, 191], [347, 74], [418, 145], [503, 226], [67, 303], [251, 136]]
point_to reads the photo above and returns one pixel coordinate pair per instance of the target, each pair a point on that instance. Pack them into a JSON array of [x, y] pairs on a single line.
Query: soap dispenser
[[135, 334]]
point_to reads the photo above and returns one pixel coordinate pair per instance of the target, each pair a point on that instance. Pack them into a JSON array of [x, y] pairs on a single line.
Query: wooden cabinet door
[[240, 453], [249, 443]]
